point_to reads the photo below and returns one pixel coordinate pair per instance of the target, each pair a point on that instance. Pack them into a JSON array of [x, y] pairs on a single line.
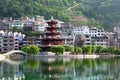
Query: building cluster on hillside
[[73, 35], [91, 36]]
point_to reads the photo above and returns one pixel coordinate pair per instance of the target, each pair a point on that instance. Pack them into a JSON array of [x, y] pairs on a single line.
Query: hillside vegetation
[[92, 12]]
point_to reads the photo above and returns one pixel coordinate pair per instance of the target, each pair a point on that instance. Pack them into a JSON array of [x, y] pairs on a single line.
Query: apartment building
[[83, 30], [93, 35], [9, 41], [100, 40], [67, 33], [40, 23]]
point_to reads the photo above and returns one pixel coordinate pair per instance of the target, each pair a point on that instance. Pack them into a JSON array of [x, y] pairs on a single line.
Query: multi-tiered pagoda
[[52, 36]]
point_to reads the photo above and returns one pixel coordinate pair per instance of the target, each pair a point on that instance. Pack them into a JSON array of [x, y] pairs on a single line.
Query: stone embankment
[[66, 55]]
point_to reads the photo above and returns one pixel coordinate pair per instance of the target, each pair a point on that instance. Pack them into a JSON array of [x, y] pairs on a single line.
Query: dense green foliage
[[93, 49], [31, 49], [69, 48], [99, 49], [78, 50], [100, 12], [58, 49]]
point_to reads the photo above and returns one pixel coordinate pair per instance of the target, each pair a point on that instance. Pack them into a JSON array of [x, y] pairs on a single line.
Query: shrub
[[78, 50], [69, 48], [31, 49], [99, 49], [58, 49]]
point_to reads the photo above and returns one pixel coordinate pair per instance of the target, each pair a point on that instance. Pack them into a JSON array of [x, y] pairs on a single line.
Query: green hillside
[[92, 12]]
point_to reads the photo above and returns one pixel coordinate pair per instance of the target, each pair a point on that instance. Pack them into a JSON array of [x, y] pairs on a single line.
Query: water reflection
[[62, 69]]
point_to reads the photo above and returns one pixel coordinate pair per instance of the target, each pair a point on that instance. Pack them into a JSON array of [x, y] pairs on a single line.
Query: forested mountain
[[104, 13]]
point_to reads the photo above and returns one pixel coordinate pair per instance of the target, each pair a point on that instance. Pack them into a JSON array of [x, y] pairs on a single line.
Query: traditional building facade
[[30, 41]]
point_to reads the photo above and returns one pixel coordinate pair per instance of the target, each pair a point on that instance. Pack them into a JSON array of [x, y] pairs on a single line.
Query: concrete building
[[87, 40], [29, 25], [100, 40], [4, 26], [30, 41], [90, 33], [10, 41], [16, 23], [40, 23], [116, 29], [67, 32], [83, 30]]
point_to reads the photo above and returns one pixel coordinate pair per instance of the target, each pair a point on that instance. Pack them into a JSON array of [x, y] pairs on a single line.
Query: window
[[11, 40], [5, 40], [5, 49], [98, 40], [88, 40], [11, 44], [5, 44], [16, 39]]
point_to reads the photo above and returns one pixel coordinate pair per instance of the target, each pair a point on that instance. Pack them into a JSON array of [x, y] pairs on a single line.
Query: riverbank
[[66, 55]]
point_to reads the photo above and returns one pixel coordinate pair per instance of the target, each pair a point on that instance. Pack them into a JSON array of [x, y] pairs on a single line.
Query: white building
[[16, 23], [116, 29], [87, 39], [92, 35], [81, 30], [85, 30], [40, 23]]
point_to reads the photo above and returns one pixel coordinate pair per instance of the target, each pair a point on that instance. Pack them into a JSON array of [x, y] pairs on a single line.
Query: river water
[[61, 69]]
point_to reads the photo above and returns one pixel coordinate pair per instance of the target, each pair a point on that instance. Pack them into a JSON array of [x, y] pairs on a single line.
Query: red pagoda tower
[[52, 36]]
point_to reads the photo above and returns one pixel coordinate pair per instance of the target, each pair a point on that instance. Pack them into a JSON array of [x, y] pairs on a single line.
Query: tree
[[78, 50], [69, 48], [31, 49], [104, 50], [117, 51], [58, 49], [84, 49], [93, 23], [93, 49], [99, 49], [89, 49], [111, 49], [25, 49]]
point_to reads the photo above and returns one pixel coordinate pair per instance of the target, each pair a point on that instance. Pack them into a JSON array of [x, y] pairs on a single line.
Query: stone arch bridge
[[14, 52]]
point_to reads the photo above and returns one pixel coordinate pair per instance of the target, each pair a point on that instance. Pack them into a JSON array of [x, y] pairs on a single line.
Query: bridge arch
[[14, 52]]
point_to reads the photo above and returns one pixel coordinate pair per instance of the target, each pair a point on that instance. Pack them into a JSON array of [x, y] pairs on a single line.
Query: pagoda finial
[[52, 18]]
